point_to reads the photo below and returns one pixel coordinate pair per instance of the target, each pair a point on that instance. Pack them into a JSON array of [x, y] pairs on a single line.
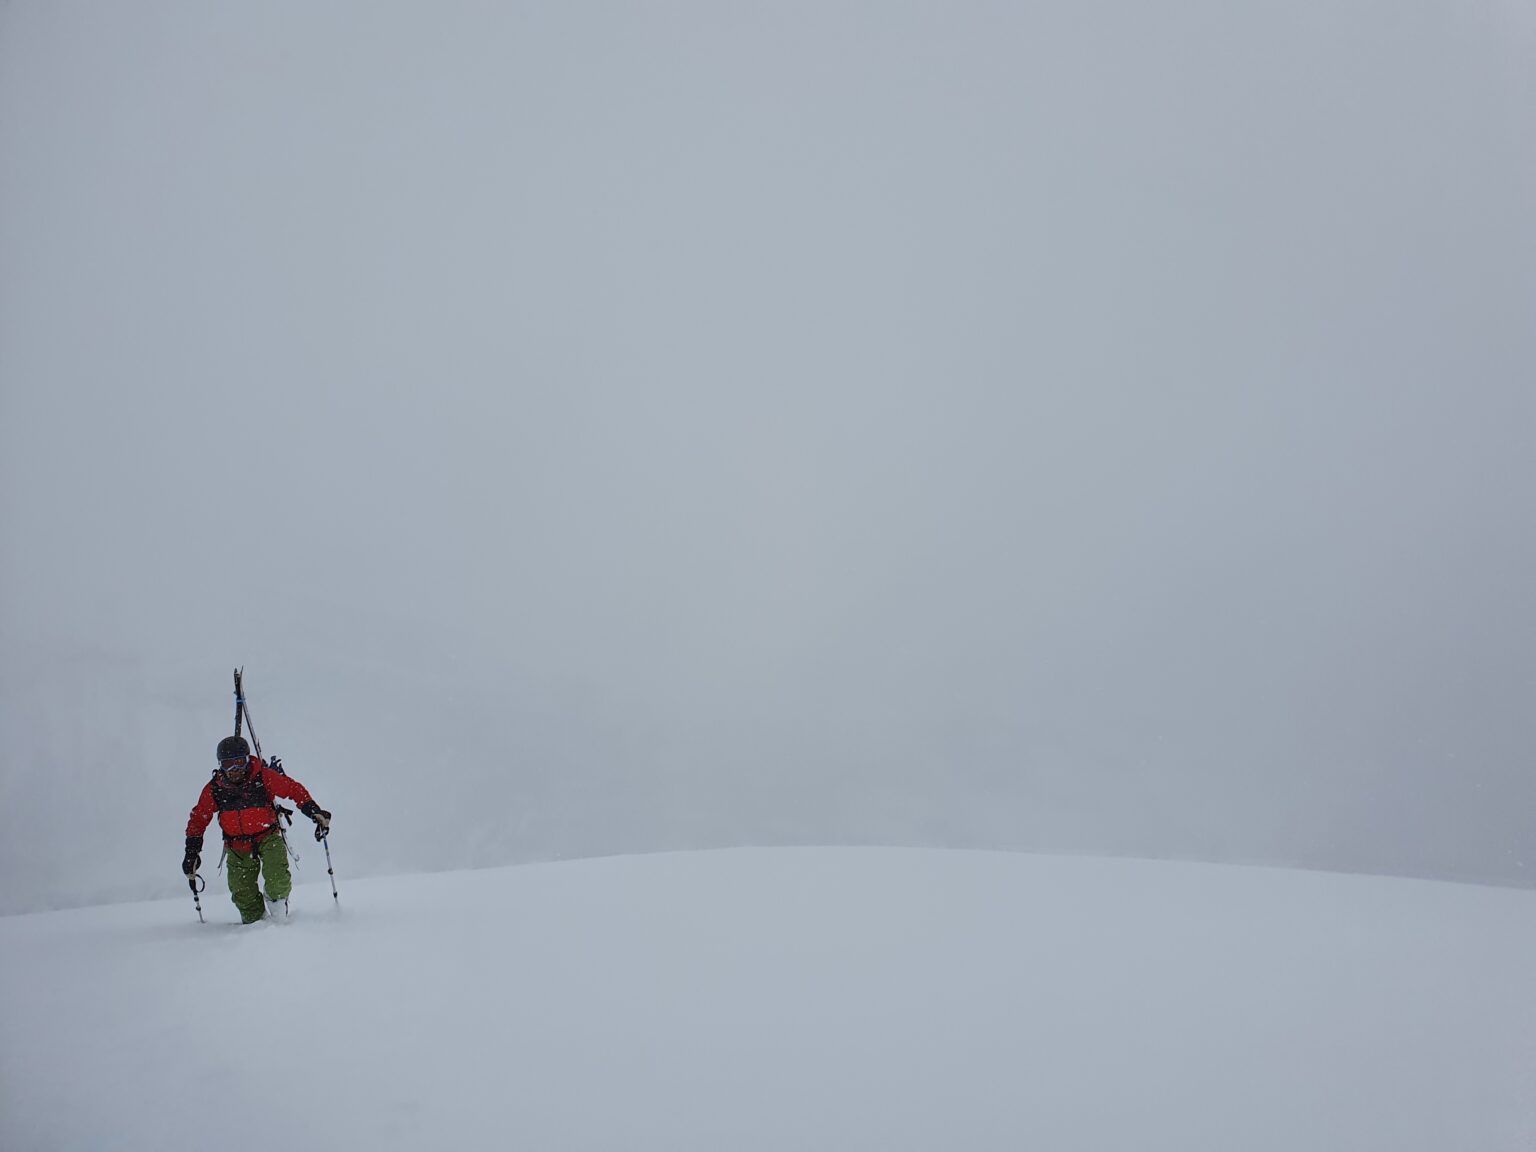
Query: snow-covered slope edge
[[785, 999]]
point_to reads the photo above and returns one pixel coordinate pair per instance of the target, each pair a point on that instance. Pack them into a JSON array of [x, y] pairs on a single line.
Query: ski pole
[[197, 903], [329, 871]]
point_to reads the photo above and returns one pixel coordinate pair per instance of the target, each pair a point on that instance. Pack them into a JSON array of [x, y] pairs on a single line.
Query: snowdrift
[[785, 999]]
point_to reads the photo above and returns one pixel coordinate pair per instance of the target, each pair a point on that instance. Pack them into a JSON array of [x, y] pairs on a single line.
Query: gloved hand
[[320, 816], [276, 765], [193, 860]]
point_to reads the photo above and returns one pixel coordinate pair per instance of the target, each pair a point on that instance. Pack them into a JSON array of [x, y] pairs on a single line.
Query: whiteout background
[[601, 427]]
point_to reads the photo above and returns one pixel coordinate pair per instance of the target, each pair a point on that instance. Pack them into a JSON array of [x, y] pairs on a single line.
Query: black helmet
[[233, 748]]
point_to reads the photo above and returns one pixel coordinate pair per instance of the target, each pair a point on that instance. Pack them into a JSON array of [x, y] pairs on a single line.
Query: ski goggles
[[235, 764]]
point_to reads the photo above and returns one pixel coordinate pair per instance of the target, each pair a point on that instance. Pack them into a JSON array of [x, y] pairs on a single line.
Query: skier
[[242, 791]]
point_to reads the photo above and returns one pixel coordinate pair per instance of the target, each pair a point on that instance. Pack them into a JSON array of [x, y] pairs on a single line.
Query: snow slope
[[785, 999]]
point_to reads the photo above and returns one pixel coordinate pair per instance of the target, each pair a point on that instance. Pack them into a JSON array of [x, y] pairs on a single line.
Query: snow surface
[[785, 999]]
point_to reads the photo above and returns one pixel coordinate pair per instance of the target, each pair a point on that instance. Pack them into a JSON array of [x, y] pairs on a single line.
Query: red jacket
[[246, 814]]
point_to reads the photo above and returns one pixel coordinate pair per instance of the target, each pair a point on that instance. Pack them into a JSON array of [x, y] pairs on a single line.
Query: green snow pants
[[270, 857]]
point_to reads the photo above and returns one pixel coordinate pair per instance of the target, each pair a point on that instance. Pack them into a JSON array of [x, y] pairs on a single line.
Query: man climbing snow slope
[[242, 791]]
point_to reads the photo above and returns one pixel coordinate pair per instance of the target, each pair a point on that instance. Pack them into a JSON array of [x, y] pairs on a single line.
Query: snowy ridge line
[[810, 998]]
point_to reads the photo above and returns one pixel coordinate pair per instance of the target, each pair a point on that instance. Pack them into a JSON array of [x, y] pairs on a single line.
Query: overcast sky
[[1096, 427]]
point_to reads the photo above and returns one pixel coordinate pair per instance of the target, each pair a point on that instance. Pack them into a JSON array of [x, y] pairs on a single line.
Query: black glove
[[193, 860], [276, 765], [320, 816]]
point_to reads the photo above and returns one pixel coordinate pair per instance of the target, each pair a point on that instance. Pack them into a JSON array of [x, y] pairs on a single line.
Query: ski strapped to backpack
[[242, 712], [243, 716]]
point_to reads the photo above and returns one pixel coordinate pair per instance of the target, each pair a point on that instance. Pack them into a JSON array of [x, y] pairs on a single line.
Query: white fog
[[606, 427]]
